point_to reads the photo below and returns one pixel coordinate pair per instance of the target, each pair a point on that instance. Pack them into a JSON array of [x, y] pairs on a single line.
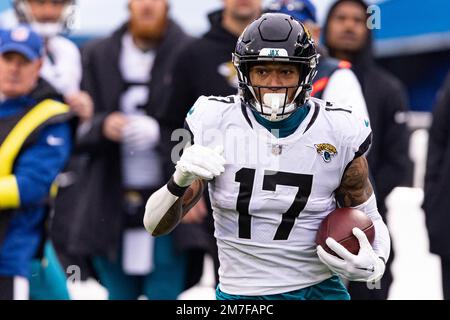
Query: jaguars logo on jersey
[[326, 150]]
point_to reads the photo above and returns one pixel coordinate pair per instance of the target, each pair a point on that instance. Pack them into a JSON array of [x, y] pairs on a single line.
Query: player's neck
[[286, 126]]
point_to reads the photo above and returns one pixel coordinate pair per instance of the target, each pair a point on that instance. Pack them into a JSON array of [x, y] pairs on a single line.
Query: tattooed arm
[[356, 191], [355, 188], [166, 207]]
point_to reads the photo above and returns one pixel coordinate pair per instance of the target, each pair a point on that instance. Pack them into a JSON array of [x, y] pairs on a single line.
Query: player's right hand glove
[[199, 162], [366, 266]]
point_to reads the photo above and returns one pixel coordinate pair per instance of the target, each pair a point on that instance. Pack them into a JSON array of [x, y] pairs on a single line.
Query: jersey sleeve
[[361, 138], [353, 130], [203, 120]]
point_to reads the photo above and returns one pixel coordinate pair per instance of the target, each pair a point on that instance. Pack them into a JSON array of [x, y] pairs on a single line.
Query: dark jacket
[[387, 105], [204, 68], [98, 220], [437, 178]]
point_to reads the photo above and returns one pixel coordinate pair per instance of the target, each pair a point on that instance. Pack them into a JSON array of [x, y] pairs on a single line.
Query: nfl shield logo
[[277, 149]]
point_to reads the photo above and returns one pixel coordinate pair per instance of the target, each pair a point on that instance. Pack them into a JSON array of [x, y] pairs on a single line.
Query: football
[[339, 224]]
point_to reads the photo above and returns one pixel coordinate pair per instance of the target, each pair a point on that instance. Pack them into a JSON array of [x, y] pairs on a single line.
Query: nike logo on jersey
[[54, 141]]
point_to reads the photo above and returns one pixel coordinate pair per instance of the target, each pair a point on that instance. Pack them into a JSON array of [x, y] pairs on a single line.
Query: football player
[[302, 158]]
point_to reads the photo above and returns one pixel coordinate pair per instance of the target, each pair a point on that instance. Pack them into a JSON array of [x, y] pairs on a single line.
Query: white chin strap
[[48, 29], [273, 105]]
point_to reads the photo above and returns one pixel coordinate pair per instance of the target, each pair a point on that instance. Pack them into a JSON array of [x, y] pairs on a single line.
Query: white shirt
[[62, 65]]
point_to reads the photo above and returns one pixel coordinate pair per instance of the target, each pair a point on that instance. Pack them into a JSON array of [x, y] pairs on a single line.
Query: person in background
[[205, 68], [347, 37], [62, 69], [35, 144], [335, 81], [128, 74], [62, 60], [437, 202]]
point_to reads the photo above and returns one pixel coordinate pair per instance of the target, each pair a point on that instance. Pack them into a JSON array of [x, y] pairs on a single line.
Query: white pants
[[14, 288]]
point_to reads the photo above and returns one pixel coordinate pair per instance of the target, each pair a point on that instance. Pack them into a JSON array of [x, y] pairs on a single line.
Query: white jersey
[[274, 193], [62, 65]]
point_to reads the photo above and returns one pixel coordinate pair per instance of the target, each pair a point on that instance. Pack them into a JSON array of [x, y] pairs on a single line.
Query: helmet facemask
[[276, 38], [273, 106], [46, 29], [276, 105]]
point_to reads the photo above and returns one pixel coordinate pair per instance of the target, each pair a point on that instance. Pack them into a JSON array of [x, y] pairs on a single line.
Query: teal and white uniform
[[274, 193]]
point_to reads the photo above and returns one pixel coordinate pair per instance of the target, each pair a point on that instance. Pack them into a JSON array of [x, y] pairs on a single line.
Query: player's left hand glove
[[141, 132], [367, 266]]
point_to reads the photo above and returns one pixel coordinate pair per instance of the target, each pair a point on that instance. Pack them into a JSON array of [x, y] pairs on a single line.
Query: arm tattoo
[[355, 187]]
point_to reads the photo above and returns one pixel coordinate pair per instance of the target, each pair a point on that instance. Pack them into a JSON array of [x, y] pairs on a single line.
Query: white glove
[[198, 162], [367, 266], [141, 132]]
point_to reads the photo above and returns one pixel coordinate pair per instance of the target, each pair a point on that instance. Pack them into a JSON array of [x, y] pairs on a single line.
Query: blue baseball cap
[[302, 10], [22, 40]]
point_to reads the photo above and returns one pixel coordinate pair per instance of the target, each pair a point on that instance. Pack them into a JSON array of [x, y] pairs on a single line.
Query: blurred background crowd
[[91, 91]]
